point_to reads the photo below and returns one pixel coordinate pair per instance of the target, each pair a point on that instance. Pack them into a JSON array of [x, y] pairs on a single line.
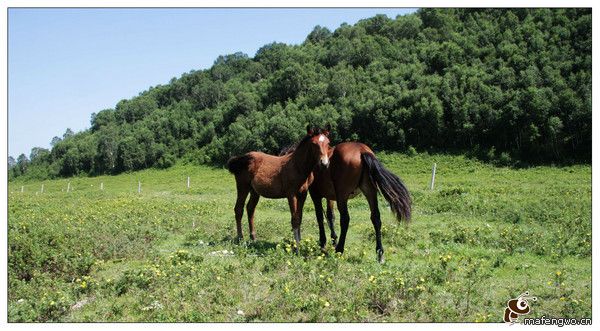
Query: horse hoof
[[239, 240], [380, 258], [253, 237], [333, 242]]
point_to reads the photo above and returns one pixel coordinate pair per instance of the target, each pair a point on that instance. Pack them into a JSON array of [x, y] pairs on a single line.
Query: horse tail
[[237, 164], [392, 188]]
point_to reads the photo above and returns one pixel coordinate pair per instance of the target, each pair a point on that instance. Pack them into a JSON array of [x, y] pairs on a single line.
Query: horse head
[[319, 144]]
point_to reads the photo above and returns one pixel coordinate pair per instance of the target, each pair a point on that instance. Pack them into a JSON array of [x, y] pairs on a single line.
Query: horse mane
[[287, 149], [292, 147]]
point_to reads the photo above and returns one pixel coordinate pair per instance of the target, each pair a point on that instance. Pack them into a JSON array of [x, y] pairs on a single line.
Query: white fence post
[[139, 187], [188, 182], [42, 190], [22, 189], [68, 187], [102, 186], [432, 176]]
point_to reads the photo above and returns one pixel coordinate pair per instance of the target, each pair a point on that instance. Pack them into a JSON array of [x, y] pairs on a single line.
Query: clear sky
[[65, 64]]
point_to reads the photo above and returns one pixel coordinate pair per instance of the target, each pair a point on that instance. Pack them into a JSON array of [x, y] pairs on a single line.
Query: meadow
[[484, 235]]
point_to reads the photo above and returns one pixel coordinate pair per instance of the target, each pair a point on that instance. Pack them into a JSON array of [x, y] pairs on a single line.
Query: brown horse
[[353, 168], [316, 196], [276, 177]]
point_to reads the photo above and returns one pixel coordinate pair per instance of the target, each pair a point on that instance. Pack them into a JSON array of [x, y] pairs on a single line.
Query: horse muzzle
[[324, 163]]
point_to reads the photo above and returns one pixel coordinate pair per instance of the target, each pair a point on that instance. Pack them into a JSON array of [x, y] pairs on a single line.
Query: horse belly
[[329, 194], [268, 190], [266, 180], [324, 186], [354, 193]]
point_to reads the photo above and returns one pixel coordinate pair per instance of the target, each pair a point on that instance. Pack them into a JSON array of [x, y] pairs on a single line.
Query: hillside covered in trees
[[511, 86]]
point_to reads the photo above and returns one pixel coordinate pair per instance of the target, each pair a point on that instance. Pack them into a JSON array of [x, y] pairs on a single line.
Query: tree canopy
[[507, 85]]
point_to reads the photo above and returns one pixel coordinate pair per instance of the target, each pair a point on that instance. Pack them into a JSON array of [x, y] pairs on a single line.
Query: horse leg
[[301, 200], [317, 201], [370, 192], [296, 203], [331, 221], [242, 193], [293, 202], [250, 208], [344, 222]]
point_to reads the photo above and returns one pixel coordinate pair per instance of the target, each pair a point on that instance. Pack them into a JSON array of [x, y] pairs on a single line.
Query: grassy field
[[481, 237]]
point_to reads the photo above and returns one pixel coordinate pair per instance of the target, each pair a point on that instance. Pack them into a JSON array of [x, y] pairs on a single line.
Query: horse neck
[[303, 162]]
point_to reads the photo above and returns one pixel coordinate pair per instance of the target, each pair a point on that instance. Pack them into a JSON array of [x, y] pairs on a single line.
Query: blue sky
[[65, 64]]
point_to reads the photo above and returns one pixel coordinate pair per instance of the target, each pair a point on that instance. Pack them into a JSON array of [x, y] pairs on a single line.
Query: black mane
[[291, 148], [287, 149]]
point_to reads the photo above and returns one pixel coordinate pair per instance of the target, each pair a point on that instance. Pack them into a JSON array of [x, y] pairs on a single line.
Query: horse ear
[[309, 130], [327, 130]]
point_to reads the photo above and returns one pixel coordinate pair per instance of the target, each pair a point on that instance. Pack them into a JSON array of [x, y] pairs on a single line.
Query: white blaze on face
[[324, 158]]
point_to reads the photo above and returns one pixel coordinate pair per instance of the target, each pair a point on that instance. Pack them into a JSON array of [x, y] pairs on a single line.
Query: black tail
[[238, 163], [390, 186]]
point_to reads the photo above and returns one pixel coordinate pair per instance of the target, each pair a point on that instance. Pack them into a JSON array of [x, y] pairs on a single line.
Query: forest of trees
[[510, 86]]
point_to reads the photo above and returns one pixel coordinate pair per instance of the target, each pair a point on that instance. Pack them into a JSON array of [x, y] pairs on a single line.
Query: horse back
[[351, 151]]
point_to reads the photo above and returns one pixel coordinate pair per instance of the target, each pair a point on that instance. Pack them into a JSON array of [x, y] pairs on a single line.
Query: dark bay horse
[[277, 177], [317, 196], [353, 168]]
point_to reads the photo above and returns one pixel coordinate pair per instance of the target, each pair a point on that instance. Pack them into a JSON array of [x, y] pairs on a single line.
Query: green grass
[[481, 237]]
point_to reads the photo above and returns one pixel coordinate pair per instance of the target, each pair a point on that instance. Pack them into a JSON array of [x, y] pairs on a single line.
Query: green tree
[[507, 85]]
